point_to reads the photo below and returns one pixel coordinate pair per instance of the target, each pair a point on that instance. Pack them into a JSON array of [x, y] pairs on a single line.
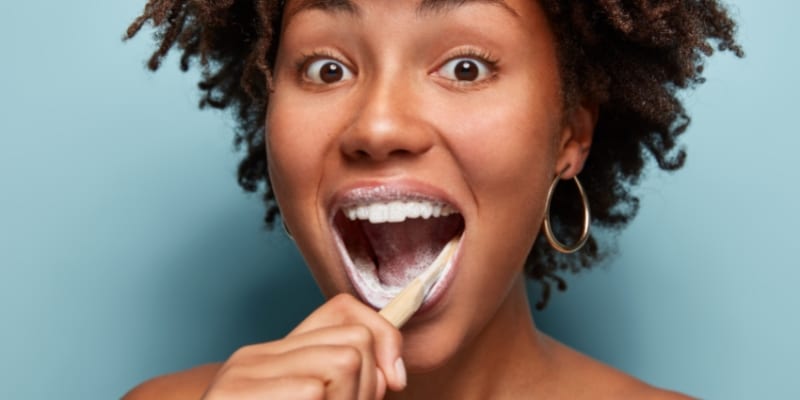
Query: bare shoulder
[[616, 384], [651, 392], [188, 384], [601, 381], [642, 390]]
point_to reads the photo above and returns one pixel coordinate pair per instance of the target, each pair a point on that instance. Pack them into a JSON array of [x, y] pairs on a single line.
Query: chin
[[430, 347]]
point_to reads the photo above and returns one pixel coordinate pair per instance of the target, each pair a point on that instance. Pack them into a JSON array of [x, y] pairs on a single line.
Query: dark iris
[[466, 71], [331, 72]]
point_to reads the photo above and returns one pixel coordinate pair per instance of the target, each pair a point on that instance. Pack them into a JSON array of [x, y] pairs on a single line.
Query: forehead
[[351, 7]]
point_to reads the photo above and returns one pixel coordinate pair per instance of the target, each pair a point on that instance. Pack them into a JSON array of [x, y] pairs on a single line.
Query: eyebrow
[[331, 6], [443, 6], [425, 7]]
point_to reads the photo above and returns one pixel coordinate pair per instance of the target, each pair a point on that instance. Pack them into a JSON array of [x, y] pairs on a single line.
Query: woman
[[393, 127]]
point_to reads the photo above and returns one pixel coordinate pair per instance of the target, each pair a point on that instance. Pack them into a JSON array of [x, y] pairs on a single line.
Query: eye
[[465, 70], [326, 71]]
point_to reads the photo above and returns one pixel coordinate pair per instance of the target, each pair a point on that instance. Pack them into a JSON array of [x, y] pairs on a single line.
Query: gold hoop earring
[[548, 229]]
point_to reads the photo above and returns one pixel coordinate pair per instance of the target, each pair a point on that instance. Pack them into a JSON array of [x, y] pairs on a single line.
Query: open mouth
[[385, 245]]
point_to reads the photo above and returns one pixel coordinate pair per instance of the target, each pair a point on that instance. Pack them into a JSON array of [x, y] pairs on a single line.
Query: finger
[[357, 336], [345, 309], [337, 367], [380, 386], [295, 387]]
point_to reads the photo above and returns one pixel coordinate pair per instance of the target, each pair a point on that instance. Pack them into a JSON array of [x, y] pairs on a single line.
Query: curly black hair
[[631, 57]]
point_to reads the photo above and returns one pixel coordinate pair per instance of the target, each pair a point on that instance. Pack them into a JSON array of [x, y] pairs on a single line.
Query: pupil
[[331, 72], [466, 71]]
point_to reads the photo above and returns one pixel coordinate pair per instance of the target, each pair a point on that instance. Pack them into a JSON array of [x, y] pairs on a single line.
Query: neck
[[507, 358]]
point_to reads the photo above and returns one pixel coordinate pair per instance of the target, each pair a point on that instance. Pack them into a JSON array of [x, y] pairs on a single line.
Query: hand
[[343, 350]]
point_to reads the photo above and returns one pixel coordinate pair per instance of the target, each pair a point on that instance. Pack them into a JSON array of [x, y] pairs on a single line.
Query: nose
[[387, 125]]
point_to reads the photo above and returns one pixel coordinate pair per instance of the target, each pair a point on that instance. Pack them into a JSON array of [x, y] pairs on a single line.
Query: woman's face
[[384, 111]]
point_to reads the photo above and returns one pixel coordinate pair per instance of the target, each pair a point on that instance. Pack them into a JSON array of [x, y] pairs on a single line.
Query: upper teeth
[[397, 211]]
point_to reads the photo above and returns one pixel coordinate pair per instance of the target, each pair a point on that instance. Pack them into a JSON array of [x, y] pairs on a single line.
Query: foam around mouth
[[386, 256]]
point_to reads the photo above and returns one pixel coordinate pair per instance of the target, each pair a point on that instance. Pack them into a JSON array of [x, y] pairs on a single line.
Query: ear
[[576, 139]]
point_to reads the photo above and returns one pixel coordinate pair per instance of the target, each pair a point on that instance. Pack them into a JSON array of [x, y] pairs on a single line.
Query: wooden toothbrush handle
[[405, 304]]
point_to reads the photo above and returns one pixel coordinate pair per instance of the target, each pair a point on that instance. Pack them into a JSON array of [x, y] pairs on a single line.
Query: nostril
[[396, 153], [400, 152], [362, 154]]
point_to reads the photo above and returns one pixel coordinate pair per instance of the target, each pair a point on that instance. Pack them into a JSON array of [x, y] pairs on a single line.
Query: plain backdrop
[[127, 250]]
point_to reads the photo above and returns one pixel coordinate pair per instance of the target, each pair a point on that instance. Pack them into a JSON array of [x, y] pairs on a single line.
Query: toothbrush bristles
[[409, 300]]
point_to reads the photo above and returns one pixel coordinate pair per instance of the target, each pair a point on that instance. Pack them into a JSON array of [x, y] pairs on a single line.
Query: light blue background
[[127, 249]]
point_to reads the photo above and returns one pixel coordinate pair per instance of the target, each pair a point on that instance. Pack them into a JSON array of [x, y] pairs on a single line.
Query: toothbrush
[[408, 301]]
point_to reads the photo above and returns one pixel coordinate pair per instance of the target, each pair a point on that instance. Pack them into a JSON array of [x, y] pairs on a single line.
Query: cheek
[[295, 151], [507, 151], [295, 145]]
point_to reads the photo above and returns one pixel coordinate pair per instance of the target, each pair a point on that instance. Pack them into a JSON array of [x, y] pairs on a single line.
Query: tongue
[[404, 249]]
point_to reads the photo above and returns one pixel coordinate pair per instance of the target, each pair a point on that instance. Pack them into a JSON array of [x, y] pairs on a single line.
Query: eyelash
[[480, 55], [306, 58]]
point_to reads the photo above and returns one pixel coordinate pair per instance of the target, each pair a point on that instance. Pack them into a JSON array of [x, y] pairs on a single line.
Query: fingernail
[[400, 371]]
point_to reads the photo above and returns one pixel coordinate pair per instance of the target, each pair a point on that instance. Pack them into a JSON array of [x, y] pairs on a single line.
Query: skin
[[401, 117]]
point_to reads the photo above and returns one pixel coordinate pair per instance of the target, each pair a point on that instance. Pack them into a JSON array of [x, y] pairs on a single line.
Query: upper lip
[[377, 191]]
